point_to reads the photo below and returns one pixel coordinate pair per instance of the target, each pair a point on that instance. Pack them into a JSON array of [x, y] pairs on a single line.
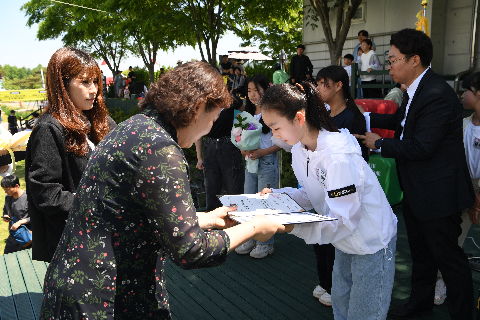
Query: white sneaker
[[440, 292], [261, 251], [318, 292], [326, 300], [246, 247]]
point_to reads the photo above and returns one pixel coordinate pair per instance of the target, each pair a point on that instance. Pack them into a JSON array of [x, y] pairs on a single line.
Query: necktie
[[404, 100], [403, 106]]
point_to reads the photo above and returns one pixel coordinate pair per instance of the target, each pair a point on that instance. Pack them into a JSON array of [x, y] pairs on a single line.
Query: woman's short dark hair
[[179, 93], [412, 42], [472, 81], [10, 181]]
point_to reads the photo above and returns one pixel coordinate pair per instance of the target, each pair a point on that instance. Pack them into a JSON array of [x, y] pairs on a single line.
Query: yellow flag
[[422, 23]]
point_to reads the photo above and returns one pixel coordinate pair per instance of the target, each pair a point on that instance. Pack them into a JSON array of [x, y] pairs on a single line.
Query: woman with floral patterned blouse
[[133, 208]]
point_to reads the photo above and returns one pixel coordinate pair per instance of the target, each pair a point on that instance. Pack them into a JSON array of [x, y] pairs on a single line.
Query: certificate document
[[278, 207]]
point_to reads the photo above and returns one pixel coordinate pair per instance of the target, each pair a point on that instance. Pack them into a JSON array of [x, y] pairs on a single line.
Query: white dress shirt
[[411, 93]]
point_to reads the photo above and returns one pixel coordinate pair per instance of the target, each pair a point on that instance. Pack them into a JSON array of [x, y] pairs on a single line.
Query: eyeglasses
[[389, 63]]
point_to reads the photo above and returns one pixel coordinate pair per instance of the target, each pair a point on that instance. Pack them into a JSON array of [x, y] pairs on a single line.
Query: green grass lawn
[[20, 172]]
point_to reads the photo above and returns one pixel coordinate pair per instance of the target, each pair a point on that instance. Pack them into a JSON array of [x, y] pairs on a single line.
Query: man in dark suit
[[432, 170], [301, 67]]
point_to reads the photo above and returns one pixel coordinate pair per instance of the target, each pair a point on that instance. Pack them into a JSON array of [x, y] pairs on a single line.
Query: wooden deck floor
[[279, 286]]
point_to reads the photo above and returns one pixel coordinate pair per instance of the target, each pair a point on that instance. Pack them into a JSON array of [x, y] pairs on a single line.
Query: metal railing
[[356, 74]]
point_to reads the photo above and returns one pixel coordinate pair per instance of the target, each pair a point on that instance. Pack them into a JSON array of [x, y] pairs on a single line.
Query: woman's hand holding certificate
[[278, 207]]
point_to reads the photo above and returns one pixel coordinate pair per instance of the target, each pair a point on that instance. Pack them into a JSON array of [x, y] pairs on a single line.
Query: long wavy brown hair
[[178, 93], [64, 65]]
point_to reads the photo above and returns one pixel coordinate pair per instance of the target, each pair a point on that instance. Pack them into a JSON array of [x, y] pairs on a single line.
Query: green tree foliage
[[274, 25], [152, 25], [21, 78], [209, 20], [320, 10], [142, 28], [90, 30]]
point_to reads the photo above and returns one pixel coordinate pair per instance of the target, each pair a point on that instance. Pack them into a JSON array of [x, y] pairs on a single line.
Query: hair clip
[[300, 87]]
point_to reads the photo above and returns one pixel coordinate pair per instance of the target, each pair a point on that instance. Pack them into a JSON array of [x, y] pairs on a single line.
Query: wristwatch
[[378, 143]]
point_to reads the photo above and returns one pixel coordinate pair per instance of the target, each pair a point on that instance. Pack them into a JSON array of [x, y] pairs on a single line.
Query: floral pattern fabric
[[132, 209]]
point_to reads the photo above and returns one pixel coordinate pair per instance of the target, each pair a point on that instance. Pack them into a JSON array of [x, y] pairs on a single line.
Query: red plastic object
[[379, 106]]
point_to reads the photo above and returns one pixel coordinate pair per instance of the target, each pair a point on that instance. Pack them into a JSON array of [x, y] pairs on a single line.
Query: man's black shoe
[[407, 311]]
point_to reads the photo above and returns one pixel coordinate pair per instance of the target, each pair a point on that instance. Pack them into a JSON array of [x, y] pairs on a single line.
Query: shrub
[[118, 115], [111, 91], [142, 75], [265, 68], [288, 176]]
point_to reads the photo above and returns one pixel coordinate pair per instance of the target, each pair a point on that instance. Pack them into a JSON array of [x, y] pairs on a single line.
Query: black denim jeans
[[223, 165]]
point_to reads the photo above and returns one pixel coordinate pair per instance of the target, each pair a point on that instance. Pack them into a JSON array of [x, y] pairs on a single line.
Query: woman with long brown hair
[[60, 144]]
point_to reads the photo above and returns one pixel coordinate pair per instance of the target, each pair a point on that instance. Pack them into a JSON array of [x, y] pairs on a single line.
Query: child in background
[[267, 174], [337, 182], [359, 81], [230, 77], [347, 61], [359, 52], [332, 85], [369, 61], [15, 206]]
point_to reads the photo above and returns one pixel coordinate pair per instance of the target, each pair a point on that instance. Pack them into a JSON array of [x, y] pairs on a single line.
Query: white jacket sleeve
[[344, 203]]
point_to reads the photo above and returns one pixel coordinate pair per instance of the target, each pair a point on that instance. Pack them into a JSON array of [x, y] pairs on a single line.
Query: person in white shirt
[[369, 61], [337, 182]]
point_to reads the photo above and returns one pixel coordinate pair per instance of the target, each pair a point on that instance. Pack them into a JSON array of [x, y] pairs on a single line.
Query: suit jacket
[[431, 163], [52, 175], [300, 66]]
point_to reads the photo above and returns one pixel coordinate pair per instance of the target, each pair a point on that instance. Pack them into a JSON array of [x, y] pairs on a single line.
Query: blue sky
[[21, 48]]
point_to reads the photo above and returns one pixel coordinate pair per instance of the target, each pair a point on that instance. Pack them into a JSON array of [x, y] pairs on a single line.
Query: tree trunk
[[149, 61], [214, 54], [214, 19], [151, 72], [335, 46]]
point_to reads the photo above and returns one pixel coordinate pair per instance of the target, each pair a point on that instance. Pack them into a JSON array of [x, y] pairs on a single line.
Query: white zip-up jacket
[[337, 182]]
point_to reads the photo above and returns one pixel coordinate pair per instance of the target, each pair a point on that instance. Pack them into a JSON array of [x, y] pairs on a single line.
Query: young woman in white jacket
[[337, 182]]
